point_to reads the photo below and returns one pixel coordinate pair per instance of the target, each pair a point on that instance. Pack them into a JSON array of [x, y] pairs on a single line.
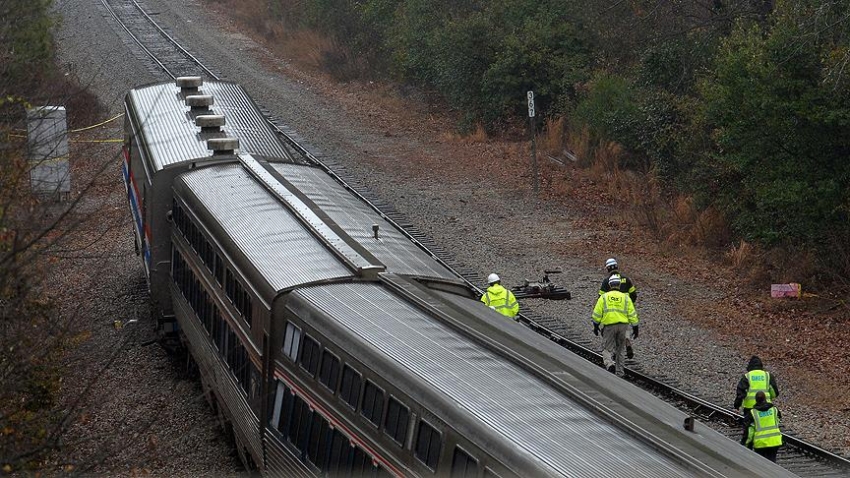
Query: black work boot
[[612, 369], [630, 352]]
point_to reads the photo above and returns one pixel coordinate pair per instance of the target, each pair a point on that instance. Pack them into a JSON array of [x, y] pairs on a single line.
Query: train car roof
[[296, 227], [168, 127], [639, 407], [264, 239], [528, 412], [356, 218]]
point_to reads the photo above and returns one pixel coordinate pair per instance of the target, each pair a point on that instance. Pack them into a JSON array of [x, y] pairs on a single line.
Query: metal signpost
[[533, 143]]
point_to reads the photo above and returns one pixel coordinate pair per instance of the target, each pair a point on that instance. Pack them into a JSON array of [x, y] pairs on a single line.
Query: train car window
[[247, 311], [349, 391], [280, 390], [175, 265], [221, 337], [209, 256], [310, 355], [304, 427], [205, 305], [177, 215], [361, 463], [395, 424], [291, 341], [237, 295], [317, 448], [193, 236], [237, 360], [256, 385], [340, 455], [199, 241], [463, 465], [373, 403], [217, 325], [428, 444], [229, 349], [196, 295], [228, 284], [208, 319], [286, 412], [298, 423], [219, 270], [329, 372]]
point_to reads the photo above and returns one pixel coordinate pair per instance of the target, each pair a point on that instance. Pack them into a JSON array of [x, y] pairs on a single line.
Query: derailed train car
[[334, 346]]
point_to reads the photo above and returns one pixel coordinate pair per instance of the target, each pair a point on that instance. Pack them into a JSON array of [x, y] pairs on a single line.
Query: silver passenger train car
[[334, 346]]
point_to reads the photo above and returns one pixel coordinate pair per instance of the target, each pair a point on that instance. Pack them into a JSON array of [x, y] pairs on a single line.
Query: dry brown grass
[[308, 49], [637, 195], [477, 136], [740, 255], [551, 141], [756, 266]]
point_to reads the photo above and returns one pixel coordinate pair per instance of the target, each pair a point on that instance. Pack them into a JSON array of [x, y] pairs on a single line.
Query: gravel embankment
[[404, 157]]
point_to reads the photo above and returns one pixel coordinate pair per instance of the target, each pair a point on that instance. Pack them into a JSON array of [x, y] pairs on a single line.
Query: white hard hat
[[614, 281], [611, 264], [492, 278]]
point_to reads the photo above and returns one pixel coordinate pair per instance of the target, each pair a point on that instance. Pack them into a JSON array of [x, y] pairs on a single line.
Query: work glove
[[596, 329], [634, 331]]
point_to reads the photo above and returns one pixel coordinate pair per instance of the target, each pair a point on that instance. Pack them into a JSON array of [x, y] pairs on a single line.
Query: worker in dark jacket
[[761, 428], [626, 285], [755, 380]]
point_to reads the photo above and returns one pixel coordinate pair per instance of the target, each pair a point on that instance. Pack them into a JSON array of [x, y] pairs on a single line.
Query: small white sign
[[530, 104]]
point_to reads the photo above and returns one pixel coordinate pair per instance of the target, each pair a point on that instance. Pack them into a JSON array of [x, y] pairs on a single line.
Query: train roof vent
[[188, 84], [210, 123], [223, 145], [199, 102]]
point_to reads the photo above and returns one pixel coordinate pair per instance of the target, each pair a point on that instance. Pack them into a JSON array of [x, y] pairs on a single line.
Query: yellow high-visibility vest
[[764, 432], [502, 300], [614, 307], [759, 381]]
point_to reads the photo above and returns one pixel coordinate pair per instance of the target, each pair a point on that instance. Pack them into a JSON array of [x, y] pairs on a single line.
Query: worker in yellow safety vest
[[500, 299], [612, 315], [755, 380], [762, 428], [626, 285]]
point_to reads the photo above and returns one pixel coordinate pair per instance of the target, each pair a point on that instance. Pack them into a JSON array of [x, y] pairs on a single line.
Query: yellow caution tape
[[98, 141], [85, 128], [116, 140], [96, 125]]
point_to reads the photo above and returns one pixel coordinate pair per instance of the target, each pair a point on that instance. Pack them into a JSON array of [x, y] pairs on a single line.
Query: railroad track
[[798, 456], [161, 47]]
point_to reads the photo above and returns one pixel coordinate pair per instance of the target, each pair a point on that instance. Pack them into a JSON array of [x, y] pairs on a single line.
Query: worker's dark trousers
[[769, 452]]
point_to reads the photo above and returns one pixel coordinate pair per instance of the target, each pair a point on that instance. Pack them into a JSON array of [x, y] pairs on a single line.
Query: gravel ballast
[[489, 222]]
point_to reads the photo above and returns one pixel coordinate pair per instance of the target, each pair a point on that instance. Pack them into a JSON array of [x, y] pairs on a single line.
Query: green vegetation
[[740, 104], [26, 45]]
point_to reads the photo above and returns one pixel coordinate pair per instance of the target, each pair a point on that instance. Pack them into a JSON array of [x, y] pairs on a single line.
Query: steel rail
[[139, 42]]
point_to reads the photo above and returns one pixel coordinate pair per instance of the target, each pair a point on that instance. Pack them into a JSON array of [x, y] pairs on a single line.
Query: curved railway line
[[797, 456]]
